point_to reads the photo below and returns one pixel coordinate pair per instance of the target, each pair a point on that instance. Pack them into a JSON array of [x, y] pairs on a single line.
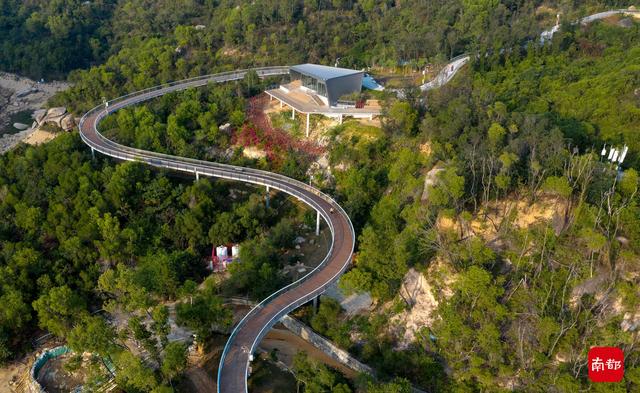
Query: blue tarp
[[369, 83]]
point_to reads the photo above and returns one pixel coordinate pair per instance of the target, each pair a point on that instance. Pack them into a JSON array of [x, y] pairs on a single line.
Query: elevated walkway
[[234, 363]]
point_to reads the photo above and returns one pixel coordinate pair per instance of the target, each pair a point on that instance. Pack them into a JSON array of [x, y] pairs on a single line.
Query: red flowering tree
[[258, 131]]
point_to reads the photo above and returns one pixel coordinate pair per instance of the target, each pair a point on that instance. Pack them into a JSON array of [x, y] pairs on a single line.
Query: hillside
[[494, 241]]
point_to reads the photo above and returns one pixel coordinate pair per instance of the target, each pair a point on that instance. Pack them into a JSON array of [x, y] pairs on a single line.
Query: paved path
[[447, 73], [234, 365], [548, 34], [451, 69]]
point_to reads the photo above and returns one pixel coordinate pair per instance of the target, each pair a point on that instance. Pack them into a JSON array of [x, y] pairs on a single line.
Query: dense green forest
[[79, 235], [504, 132], [520, 126], [48, 39]]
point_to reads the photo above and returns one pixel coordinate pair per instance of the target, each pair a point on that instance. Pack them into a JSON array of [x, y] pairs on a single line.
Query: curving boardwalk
[[548, 34], [447, 73], [234, 365], [455, 64]]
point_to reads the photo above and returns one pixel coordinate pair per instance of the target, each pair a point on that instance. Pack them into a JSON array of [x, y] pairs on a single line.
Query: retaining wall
[[306, 333], [325, 345]]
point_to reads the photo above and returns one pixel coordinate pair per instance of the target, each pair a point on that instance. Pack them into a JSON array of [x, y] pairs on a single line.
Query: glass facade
[[310, 82]]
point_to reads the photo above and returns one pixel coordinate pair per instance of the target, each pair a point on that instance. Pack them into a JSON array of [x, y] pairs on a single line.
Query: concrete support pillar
[[197, 175], [267, 197], [93, 154], [315, 304], [307, 125], [280, 104], [340, 119], [317, 223], [293, 113]]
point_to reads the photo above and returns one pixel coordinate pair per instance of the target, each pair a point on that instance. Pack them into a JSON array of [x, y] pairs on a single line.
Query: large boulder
[[26, 92], [55, 116], [56, 112], [67, 123], [55, 120], [430, 180], [39, 115]]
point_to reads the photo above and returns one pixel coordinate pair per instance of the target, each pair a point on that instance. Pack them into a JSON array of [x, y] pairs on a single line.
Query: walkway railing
[[200, 167]]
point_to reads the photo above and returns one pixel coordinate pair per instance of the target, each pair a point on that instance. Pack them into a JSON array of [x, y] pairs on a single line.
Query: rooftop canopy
[[322, 72]]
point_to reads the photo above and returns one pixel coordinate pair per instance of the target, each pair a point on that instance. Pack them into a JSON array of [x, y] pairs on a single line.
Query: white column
[[93, 153], [293, 113], [307, 125], [341, 119], [197, 175], [280, 104], [268, 189], [317, 223]]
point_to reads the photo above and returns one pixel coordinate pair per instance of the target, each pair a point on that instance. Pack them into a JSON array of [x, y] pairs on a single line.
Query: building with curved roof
[[329, 83], [316, 89]]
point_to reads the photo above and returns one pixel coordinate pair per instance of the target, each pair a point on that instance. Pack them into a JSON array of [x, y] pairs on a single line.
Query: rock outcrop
[[18, 94], [430, 180], [39, 115], [68, 122], [57, 116]]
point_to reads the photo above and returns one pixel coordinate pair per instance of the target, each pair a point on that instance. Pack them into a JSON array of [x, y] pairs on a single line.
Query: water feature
[[17, 117]]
